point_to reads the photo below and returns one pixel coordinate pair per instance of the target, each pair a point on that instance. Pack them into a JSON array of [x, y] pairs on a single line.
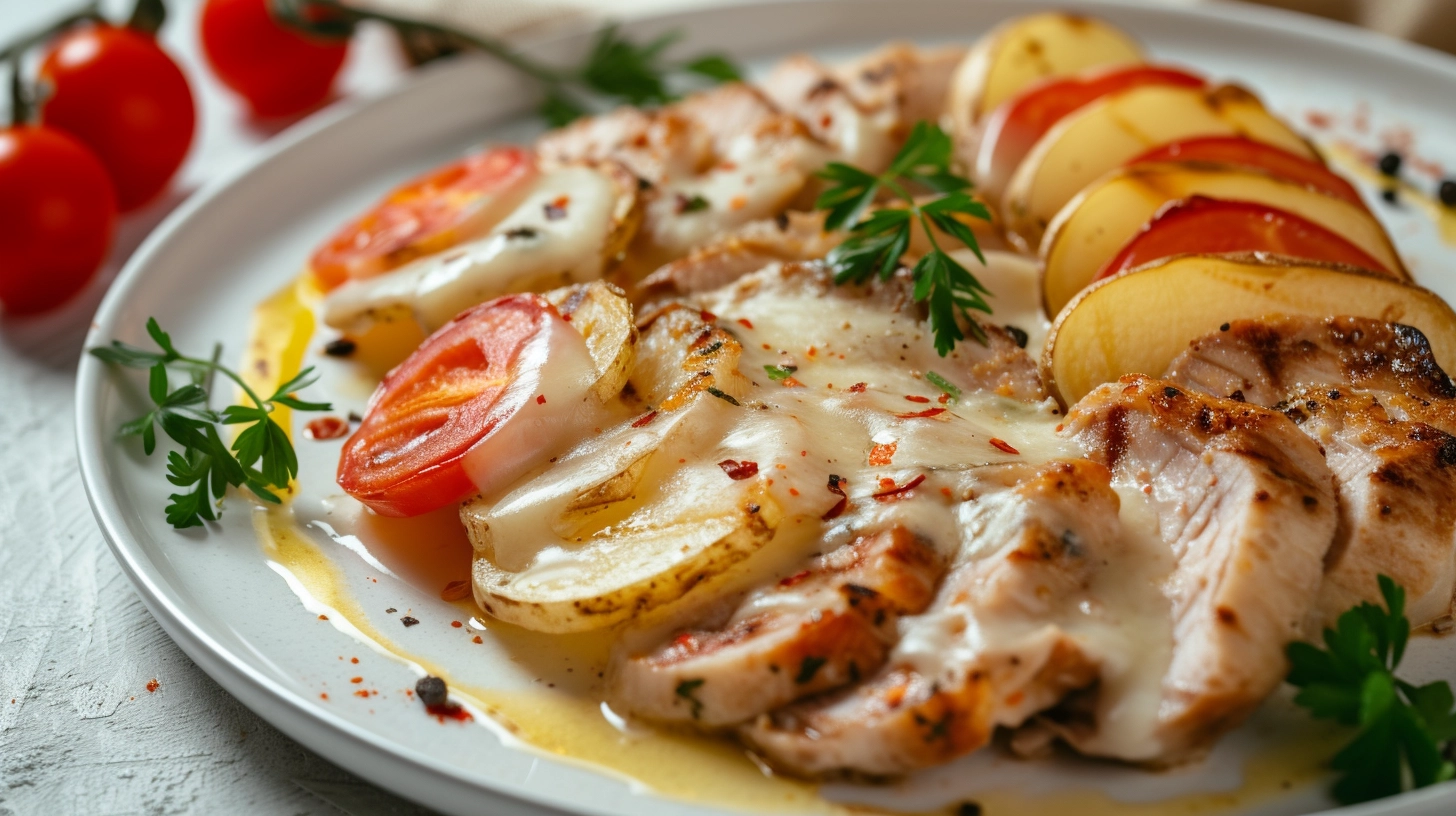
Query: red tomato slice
[[1016, 125], [453, 203], [1243, 152], [1205, 225], [407, 457]]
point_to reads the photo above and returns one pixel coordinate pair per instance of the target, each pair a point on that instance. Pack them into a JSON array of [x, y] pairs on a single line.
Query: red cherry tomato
[[407, 456], [57, 216], [453, 203], [1015, 126], [116, 90], [279, 70], [1201, 225], [1243, 152]]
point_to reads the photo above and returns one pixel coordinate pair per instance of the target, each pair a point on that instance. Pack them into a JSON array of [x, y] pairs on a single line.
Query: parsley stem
[[212, 365]]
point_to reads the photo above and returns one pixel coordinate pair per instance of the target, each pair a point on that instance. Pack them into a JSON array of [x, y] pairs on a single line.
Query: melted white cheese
[[555, 237]]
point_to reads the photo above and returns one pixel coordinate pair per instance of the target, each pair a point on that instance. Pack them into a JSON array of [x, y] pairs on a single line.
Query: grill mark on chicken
[[1381, 408], [823, 627]]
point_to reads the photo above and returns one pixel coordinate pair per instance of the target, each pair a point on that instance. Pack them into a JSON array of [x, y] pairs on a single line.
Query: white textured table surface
[[79, 732]]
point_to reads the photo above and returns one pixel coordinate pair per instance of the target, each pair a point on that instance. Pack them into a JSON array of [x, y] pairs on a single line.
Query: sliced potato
[[1025, 50], [1108, 133], [638, 516], [601, 313], [1139, 320], [1096, 224]]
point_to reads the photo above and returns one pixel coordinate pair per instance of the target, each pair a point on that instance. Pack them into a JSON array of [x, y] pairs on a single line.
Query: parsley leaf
[[779, 373], [261, 458], [877, 241], [1405, 731]]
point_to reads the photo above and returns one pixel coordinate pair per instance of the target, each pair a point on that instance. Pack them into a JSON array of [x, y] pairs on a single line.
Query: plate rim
[[369, 753]]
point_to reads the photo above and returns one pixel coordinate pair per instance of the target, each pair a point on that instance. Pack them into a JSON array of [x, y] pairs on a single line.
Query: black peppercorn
[[431, 691], [1447, 193], [1390, 164], [341, 347]]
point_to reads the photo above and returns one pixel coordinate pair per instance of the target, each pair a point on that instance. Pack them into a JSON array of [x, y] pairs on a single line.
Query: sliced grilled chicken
[[817, 629], [1247, 508], [1264, 361], [1000, 365], [900, 74], [1397, 484], [989, 651], [1372, 395]]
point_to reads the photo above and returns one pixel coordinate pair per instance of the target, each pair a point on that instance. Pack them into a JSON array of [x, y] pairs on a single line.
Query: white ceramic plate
[[251, 618]]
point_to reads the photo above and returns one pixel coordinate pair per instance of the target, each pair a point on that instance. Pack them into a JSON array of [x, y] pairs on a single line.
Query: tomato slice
[[431, 213], [407, 457], [1016, 125], [1201, 225], [1243, 152]]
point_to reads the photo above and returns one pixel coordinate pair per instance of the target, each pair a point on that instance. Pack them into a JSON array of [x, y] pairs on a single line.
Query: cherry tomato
[[1201, 225], [116, 90], [408, 455], [278, 70], [1243, 152], [1015, 126], [57, 217], [456, 202]]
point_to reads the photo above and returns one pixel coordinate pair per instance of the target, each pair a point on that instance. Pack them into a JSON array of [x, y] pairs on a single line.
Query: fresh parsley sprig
[[615, 71], [878, 241], [1406, 731], [261, 458]]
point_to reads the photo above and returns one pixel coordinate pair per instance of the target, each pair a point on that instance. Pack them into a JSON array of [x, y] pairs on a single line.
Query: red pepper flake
[[449, 711], [944, 398], [1060, 427], [945, 491], [1003, 447], [793, 491], [796, 578], [825, 121], [738, 471], [893, 492], [556, 210], [153, 685], [836, 487], [323, 695], [540, 399], [476, 639], [707, 316], [455, 591], [329, 427], [857, 388], [456, 624], [323, 617], [644, 419], [1318, 120], [917, 398], [356, 680], [737, 203], [881, 455], [745, 322], [353, 660], [812, 351], [926, 414], [790, 382], [361, 693], [803, 453], [685, 639]]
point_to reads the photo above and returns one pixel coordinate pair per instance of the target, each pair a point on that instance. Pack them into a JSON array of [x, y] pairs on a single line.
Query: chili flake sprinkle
[[916, 398], [1001, 445], [738, 471], [857, 388], [892, 492], [926, 414], [644, 419], [881, 454], [836, 486]]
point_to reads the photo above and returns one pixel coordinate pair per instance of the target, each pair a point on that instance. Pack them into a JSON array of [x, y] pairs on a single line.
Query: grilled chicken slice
[[820, 628], [987, 653], [900, 74], [1000, 365], [1247, 508], [1397, 484], [1264, 361], [1372, 395]]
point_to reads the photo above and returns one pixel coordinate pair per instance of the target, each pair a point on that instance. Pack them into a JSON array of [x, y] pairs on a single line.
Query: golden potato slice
[[1107, 133], [601, 313], [1139, 320], [1096, 224], [1028, 49]]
